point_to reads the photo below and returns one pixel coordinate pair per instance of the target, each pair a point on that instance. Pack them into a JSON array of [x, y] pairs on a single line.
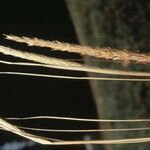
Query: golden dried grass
[[56, 63], [50, 62], [4, 125], [101, 53]]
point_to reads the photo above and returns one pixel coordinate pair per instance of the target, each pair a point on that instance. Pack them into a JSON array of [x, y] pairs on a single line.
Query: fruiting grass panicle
[[101, 53]]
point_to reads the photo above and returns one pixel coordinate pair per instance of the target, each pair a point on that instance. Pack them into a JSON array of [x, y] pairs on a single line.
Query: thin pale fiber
[[50, 141], [63, 77]]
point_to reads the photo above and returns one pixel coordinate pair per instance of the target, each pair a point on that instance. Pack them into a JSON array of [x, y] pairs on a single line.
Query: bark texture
[[122, 25]]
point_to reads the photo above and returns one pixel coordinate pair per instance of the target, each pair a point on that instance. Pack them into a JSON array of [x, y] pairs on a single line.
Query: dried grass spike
[[101, 53]]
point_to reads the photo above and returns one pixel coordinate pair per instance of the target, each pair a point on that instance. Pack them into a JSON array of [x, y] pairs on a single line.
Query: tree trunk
[[123, 25]]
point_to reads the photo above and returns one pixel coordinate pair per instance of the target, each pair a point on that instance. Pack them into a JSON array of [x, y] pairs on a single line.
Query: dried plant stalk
[[67, 65], [87, 130], [101, 53], [14, 129], [80, 119], [73, 77], [50, 141], [63, 77], [117, 141]]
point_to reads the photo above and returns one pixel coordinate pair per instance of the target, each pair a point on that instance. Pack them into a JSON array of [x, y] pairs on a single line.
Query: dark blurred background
[[27, 96]]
